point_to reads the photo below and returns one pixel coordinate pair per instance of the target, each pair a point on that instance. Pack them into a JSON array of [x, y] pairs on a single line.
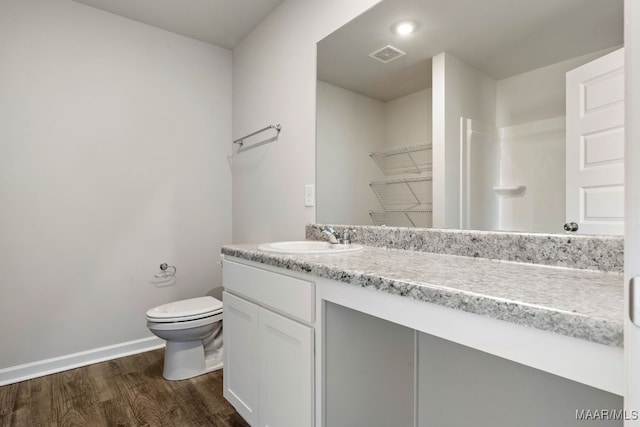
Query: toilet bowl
[[193, 331]]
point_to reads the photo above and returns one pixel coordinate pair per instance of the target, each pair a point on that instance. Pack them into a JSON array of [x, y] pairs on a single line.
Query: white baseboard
[[44, 367]]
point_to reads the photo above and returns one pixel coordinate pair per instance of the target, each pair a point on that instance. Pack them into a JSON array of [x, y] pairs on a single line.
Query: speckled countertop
[[603, 253], [580, 303]]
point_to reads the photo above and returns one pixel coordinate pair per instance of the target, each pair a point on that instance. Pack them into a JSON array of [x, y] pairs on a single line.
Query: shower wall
[[512, 178], [479, 160], [532, 155]]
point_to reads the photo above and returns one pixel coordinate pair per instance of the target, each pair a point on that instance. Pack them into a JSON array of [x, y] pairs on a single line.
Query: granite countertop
[[580, 303]]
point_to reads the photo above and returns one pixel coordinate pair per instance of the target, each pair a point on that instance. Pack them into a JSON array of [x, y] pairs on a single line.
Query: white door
[[632, 208], [286, 372], [595, 145], [240, 337]]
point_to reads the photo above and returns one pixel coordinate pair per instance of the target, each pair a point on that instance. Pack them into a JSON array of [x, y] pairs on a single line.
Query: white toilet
[[193, 331]]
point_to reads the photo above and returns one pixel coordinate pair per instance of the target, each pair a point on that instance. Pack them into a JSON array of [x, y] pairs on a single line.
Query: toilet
[[193, 331]]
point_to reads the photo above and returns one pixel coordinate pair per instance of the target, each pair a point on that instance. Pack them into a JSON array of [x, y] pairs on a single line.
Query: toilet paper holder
[[168, 271]]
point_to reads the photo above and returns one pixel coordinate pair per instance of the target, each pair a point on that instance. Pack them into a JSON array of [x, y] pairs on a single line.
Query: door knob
[[571, 226]]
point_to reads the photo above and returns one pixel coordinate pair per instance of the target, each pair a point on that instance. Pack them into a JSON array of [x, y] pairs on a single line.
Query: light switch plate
[[309, 195]]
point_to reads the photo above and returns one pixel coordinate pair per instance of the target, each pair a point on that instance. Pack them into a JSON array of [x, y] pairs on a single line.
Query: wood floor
[[123, 392]]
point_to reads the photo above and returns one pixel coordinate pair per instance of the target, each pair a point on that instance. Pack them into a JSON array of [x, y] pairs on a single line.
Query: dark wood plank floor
[[123, 392]]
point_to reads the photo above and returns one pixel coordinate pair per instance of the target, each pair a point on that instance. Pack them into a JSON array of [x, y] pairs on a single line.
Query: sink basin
[[308, 247]]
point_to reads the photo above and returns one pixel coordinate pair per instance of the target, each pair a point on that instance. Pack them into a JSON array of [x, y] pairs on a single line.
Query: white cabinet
[[285, 371], [269, 346], [240, 336]]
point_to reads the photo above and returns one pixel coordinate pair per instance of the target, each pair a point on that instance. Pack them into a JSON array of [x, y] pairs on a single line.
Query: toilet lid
[[188, 309]]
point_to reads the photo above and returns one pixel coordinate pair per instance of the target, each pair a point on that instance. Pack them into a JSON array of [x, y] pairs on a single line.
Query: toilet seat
[[185, 310]]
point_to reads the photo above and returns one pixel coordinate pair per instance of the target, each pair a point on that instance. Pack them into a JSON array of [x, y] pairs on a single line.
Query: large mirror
[[467, 120]]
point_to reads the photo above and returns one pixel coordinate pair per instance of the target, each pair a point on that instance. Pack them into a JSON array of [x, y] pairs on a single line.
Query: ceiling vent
[[387, 54]]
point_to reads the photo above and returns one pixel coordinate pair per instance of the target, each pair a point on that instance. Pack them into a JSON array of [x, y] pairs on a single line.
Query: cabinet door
[[286, 372], [240, 334]]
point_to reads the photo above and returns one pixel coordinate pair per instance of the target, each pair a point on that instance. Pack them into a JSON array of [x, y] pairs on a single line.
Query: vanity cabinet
[[305, 349], [268, 346]]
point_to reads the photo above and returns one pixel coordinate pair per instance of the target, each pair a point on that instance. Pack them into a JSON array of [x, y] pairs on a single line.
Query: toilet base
[[186, 359]]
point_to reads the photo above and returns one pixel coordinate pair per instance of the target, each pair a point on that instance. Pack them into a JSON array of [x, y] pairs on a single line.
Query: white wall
[[408, 119], [537, 94], [274, 81], [113, 145], [350, 126], [408, 122], [459, 90]]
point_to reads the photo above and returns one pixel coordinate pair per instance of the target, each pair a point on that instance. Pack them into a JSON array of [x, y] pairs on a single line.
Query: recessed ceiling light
[[405, 27]]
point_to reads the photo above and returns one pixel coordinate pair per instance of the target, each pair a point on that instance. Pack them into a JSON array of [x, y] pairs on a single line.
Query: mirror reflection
[[491, 115]]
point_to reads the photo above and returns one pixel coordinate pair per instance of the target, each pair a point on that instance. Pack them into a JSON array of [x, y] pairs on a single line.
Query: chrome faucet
[[334, 236]]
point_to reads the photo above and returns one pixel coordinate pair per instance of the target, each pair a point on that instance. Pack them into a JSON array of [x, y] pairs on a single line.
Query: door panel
[[603, 90], [603, 203], [595, 145]]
